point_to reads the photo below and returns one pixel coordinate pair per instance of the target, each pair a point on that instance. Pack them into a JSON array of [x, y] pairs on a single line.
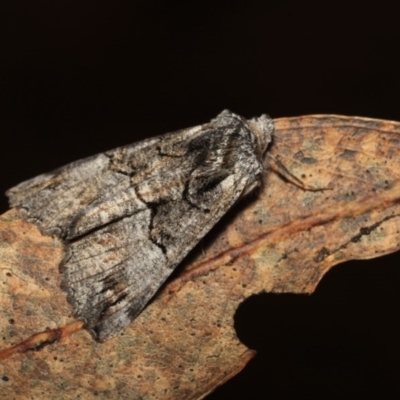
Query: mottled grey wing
[[130, 215], [89, 193]]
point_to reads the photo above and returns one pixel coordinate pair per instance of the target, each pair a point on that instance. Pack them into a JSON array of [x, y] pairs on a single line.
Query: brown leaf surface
[[184, 345]]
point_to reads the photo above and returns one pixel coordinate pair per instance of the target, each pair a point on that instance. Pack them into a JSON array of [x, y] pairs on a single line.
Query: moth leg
[[281, 170]]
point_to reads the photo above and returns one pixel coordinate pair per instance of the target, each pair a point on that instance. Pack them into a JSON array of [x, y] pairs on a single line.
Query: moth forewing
[[129, 216]]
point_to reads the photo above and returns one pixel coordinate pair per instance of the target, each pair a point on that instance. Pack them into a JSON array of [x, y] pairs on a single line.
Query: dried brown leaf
[[184, 345]]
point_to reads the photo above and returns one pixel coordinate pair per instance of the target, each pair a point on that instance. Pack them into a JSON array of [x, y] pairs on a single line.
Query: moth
[[129, 216]]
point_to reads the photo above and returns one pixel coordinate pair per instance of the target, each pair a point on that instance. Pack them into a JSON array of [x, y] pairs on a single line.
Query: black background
[[77, 78]]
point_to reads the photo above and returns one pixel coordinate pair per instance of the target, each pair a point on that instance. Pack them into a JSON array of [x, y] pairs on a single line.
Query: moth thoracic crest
[[129, 216]]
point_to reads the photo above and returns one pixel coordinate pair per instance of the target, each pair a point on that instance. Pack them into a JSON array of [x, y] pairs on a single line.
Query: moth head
[[263, 128]]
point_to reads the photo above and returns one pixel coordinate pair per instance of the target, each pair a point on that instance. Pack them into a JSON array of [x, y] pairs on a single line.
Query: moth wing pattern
[[129, 216]]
